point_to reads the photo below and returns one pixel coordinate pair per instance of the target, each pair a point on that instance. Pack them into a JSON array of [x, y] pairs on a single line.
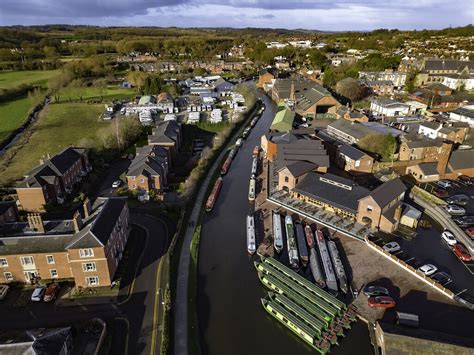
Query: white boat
[[291, 243], [331, 281], [254, 167], [277, 235], [252, 190], [339, 268], [251, 245]]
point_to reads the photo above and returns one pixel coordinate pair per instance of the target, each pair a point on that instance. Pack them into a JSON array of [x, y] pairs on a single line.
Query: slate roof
[[149, 161], [464, 112], [462, 159], [105, 222], [332, 193], [351, 152], [424, 142], [353, 129], [443, 64], [165, 132], [430, 125], [299, 168], [388, 191], [429, 168]]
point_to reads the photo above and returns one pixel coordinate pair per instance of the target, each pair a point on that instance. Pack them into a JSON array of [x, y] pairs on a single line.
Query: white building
[[463, 114], [398, 79], [276, 45], [301, 44], [389, 108], [429, 129], [145, 118], [194, 117], [216, 115], [170, 117], [455, 82]]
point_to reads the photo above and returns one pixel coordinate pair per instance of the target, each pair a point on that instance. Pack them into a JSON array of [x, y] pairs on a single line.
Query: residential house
[[216, 115], [354, 160], [149, 169], [223, 87], [435, 70], [459, 81], [447, 132], [86, 248], [266, 78], [423, 150], [380, 87], [165, 102], [168, 135], [463, 114], [53, 179], [398, 79], [348, 114]]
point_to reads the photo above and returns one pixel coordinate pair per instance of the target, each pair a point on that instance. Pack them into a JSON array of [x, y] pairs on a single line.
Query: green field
[[11, 79], [59, 126], [12, 115], [93, 93]]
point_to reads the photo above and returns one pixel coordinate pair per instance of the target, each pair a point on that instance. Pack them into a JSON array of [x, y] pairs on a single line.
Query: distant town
[[236, 191]]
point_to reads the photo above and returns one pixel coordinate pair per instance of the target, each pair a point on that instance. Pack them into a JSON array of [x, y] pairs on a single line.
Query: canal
[[231, 317]]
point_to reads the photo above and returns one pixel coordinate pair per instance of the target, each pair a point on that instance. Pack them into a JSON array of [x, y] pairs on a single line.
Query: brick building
[[168, 135], [86, 248], [149, 169], [53, 179]]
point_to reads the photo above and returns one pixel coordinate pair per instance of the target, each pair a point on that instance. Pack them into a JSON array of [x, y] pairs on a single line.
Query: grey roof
[[388, 191], [334, 190], [430, 125], [462, 159], [6, 205], [429, 168], [149, 161], [351, 152], [165, 132], [105, 222], [353, 129], [447, 64], [424, 142], [464, 112], [299, 168]]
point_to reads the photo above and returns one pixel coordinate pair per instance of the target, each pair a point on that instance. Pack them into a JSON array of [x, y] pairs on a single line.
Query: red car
[[461, 252], [381, 302], [440, 193], [470, 232], [51, 293]]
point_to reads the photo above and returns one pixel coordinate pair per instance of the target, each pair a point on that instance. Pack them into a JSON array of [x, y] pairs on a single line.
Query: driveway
[[113, 172]]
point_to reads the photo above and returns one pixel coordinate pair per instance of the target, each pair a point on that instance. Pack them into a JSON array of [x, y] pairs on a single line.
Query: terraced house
[[53, 179], [86, 248]]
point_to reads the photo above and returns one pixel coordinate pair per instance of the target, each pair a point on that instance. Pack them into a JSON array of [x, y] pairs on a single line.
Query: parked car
[[455, 210], [444, 183], [448, 237], [470, 232], [428, 269], [381, 302], [3, 291], [464, 221], [116, 183], [461, 252], [465, 179], [51, 293], [38, 293], [442, 278], [239, 142], [391, 247], [459, 199], [371, 291], [441, 193]]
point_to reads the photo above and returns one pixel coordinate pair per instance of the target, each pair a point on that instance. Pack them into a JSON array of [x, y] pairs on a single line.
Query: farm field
[[12, 115], [59, 126], [11, 79]]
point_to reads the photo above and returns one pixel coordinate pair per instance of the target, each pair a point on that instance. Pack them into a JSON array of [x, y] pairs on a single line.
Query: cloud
[[310, 14]]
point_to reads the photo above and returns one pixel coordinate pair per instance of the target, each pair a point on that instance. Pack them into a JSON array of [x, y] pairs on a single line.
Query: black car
[[371, 291], [465, 179], [442, 278], [464, 221]]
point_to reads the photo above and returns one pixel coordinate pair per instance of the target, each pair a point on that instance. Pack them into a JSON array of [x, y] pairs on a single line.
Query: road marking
[[154, 325], [128, 332]]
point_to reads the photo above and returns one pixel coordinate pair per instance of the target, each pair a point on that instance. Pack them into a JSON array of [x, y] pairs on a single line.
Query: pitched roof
[[430, 125], [353, 129], [424, 142], [165, 132], [299, 168], [447, 64], [462, 159], [429, 168], [388, 191], [283, 121], [351, 152]]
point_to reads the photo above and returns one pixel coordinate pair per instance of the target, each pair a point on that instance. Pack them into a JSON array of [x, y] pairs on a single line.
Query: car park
[[38, 293], [464, 221], [428, 269], [441, 193], [461, 252], [444, 183], [3, 291], [448, 237], [392, 247], [442, 278], [51, 293], [459, 199], [455, 210], [381, 302], [371, 291], [116, 183]]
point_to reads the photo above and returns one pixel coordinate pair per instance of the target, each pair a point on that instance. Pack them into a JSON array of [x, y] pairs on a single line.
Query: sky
[[335, 15]]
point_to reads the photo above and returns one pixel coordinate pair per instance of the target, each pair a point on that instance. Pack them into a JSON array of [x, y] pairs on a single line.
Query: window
[[54, 273], [86, 253], [370, 208], [357, 163], [286, 179], [86, 267], [92, 280], [3, 262], [50, 259], [142, 180], [8, 276], [27, 260]]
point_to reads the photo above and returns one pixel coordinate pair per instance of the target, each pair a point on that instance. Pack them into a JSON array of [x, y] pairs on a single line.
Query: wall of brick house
[[102, 268], [416, 172], [362, 211], [272, 150], [41, 266], [31, 199], [264, 79], [140, 182]]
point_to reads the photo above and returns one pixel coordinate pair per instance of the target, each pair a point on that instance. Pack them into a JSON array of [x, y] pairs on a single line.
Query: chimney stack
[[77, 220], [35, 222], [87, 207], [443, 157]]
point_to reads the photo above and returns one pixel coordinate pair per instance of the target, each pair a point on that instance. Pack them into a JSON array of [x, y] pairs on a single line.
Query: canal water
[[231, 317]]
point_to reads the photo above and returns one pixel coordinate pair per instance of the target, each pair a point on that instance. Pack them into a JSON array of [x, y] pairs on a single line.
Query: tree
[[78, 87], [351, 89], [329, 77], [383, 145], [57, 84], [101, 85]]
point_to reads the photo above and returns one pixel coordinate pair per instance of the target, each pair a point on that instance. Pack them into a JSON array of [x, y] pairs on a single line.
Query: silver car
[[38, 294]]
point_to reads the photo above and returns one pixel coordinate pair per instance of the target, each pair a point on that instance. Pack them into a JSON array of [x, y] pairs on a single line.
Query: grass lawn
[[93, 93], [11, 79], [59, 126], [12, 115]]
